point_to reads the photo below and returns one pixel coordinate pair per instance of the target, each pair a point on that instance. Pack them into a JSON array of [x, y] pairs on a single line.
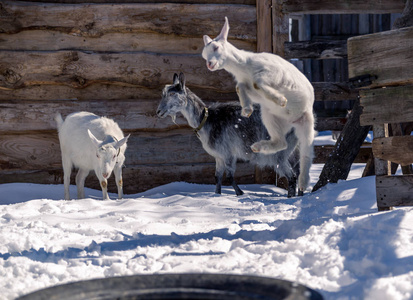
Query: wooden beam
[[387, 105], [385, 55], [80, 69], [342, 6], [264, 26], [397, 149], [394, 190], [316, 49], [95, 20], [280, 28]]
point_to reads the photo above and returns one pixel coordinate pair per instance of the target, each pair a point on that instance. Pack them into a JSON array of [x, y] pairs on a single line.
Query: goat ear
[[176, 79], [182, 80], [122, 142], [224, 31], [94, 140], [207, 40]]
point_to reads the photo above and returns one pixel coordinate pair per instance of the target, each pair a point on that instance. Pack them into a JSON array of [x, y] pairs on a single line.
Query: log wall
[[113, 58]]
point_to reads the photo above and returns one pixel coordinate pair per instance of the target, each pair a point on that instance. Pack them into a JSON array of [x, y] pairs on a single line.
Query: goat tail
[[59, 120]]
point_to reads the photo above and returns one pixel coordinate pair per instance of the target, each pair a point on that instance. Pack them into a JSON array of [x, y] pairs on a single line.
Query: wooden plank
[[49, 40], [334, 91], [94, 20], [387, 105], [245, 2], [102, 92], [80, 69], [335, 49], [324, 91], [397, 149], [281, 28], [386, 55], [394, 190], [341, 6], [264, 26]]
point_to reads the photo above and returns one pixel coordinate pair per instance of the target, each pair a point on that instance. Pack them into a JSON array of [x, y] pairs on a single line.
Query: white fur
[[284, 93], [89, 142]]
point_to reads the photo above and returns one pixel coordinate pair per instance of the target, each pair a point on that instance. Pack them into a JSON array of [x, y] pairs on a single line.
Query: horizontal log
[[397, 149], [323, 152], [324, 91], [245, 2], [49, 40], [316, 49], [394, 190], [137, 178], [341, 6], [385, 55], [94, 20], [79, 69], [103, 92], [386, 105]]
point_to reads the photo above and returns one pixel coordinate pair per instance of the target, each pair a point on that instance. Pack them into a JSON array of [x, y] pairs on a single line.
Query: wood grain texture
[[49, 40], [397, 149], [386, 55], [80, 69], [316, 49], [95, 20], [394, 190], [389, 105], [341, 6]]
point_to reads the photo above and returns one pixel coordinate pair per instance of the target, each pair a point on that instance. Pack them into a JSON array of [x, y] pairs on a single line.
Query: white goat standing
[[284, 93], [89, 142]]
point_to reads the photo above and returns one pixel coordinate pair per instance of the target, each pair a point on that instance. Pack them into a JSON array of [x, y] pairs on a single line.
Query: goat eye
[[215, 48], [172, 94], [97, 155]]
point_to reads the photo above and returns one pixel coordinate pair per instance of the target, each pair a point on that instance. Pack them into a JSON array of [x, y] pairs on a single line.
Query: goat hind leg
[[80, 183], [230, 169]]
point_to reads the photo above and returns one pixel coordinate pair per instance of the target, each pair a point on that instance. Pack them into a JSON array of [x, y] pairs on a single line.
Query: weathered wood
[[386, 55], [341, 6], [389, 105], [316, 49], [245, 2], [79, 69], [101, 92], [281, 28], [345, 151], [94, 20], [324, 91], [264, 26], [334, 91], [49, 40], [397, 149], [394, 190]]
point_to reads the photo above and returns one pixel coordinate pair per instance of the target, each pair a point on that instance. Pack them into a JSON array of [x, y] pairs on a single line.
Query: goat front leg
[[118, 177], [104, 186], [246, 104], [270, 93], [219, 173]]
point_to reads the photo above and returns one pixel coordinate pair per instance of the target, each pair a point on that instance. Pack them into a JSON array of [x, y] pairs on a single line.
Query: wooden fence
[[113, 59], [388, 101]]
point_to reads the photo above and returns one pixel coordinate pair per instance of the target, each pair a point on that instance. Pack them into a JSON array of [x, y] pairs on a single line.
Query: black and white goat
[[227, 135]]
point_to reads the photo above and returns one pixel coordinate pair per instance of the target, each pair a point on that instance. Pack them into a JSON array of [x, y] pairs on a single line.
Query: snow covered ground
[[334, 240]]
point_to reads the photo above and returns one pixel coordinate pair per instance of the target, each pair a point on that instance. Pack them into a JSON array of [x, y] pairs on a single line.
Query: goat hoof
[[300, 193], [246, 112], [283, 102]]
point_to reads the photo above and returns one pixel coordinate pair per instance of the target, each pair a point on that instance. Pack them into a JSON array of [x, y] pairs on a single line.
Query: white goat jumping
[[285, 95], [89, 142]]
